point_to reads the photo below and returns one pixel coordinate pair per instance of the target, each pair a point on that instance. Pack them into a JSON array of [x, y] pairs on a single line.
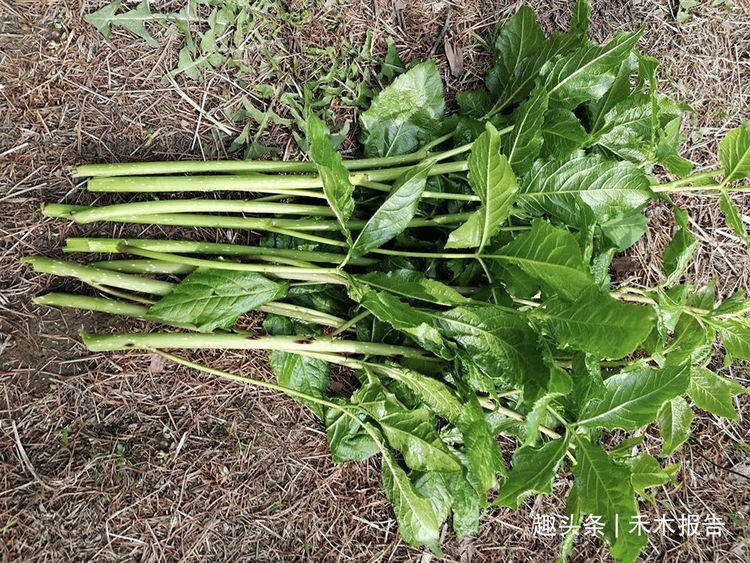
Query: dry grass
[[119, 456]]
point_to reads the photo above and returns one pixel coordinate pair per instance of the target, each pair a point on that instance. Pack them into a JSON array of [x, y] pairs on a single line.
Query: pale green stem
[[193, 341], [250, 183], [698, 177], [350, 323], [197, 206], [97, 277], [288, 273], [111, 245], [244, 166]]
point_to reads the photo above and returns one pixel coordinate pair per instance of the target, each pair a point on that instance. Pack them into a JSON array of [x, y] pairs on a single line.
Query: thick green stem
[[249, 182], [111, 245], [197, 206], [245, 223], [129, 341], [698, 177], [143, 267], [247, 166], [95, 276], [286, 272]]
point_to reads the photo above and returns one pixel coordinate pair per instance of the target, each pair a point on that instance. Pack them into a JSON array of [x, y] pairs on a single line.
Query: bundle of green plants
[[460, 268]]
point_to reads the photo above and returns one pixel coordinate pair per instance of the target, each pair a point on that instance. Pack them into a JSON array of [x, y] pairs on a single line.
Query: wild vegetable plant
[[460, 269]]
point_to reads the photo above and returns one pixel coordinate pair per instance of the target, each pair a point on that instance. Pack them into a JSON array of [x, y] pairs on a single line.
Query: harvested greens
[[460, 267]]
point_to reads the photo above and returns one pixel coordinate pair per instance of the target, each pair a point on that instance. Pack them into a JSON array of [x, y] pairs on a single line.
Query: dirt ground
[[118, 456]]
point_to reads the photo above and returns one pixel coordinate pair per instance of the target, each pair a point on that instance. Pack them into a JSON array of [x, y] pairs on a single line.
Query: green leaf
[[132, 20], [403, 317], [412, 432], [550, 256], [480, 449], [405, 114], [492, 179], [680, 249], [413, 285], [500, 343], [631, 126], [562, 132], [603, 487], [336, 186], [622, 231], [599, 324], [435, 394], [732, 214], [618, 91], [632, 398], [667, 149], [523, 144], [518, 57], [586, 73], [346, 437], [102, 18], [583, 189], [734, 153], [674, 420], [211, 299], [417, 521], [302, 373], [474, 103], [392, 217], [646, 473], [735, 334], [579, 20], [713, 393], [533, 471]]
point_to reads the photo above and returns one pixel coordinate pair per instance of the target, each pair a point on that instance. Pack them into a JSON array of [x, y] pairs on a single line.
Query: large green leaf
[[346, 437], [405, 114], [618, 91], [413, 285], [492, 179], [335, 177], [211, 299], [519, 56], [629, 129], [435, 394], [646, 473], [713, 393], [392, 217], [533, 471], [587, 73], [734, 153], [418, 523], [632, 398], [735, 335], [674, 420], [562, 132], [680, 249], [523, 144], [403, 317], [599, 324], [550, 256], [499, 343], [583, 189], [302, 373], [604, 488]]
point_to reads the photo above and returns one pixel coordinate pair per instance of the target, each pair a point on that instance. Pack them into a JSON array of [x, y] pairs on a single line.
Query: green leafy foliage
[[397, 210], [405, 114], [631, 399], [336, 186], [518, 332], [211, 299], [492, 179]]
